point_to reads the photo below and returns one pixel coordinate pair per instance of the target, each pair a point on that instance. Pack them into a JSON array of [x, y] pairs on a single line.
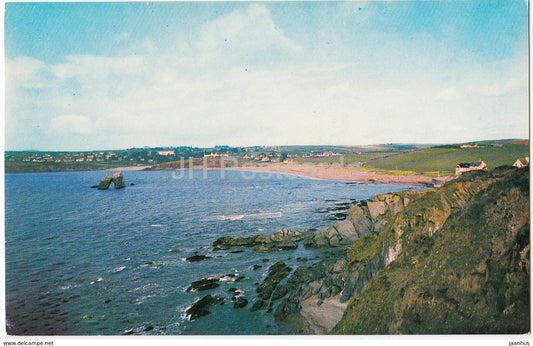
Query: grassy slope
[[470, 276], [445, 159]]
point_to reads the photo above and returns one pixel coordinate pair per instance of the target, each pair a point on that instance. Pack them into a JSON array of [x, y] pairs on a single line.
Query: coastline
[[129, 168], [344, 174]]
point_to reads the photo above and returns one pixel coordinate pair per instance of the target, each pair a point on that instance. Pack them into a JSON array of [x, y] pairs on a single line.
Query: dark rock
[[236, 251], [196, 258], [256, 266], [240, 241], [107, 301], [264, 248], [203, 284], [240, 278], [279, 292], [266, 260], [276, 273], [149, 328], [288, 245], [260, 304], [281, 235], [287, 307], [240, 303], [201, 306]]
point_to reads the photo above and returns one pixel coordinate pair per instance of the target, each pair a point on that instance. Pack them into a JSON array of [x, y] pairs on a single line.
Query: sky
[[98, 75]]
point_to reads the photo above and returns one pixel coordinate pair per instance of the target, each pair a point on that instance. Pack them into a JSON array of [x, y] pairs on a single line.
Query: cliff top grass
[[443, 160]]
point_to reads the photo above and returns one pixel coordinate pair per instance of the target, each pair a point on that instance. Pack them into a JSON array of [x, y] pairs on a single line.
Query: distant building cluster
[[480, 165], [166, 152]]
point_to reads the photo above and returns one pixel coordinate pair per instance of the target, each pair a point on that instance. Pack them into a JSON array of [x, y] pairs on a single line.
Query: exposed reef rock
[[116, 178], [282, 239], [240, 303], [203, 284], [201, 307], [197, 258]]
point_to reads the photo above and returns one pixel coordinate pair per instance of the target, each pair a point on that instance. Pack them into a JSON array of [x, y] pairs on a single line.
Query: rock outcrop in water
[[282, 239], [116, 178], [201, 307], [452, 260]]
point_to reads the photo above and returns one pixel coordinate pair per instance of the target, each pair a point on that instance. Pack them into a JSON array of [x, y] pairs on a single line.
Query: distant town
[[58, 160], [151, 156], [421, 159]]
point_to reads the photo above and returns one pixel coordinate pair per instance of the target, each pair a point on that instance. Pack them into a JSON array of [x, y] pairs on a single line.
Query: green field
[[443, 160]]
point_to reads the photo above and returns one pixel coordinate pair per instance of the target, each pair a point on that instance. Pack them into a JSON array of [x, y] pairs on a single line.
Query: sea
[[83, 261]]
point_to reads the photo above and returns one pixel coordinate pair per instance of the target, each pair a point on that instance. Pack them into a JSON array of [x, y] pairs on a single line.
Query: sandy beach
[[348, 174], [128, 168]]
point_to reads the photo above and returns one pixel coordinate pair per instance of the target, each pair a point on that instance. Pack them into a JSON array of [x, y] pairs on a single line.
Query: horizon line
[[273, 145]]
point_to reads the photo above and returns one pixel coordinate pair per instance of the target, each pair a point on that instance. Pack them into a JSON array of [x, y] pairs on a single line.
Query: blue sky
[[83, 76]]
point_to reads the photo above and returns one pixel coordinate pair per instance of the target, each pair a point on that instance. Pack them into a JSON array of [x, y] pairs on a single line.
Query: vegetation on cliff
[[456, 260]]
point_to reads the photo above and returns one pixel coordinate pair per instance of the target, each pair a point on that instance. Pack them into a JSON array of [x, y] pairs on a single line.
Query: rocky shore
[[449, 260]]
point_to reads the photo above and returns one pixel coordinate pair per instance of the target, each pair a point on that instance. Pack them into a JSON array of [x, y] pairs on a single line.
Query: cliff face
[[454, 261], [450, 260]]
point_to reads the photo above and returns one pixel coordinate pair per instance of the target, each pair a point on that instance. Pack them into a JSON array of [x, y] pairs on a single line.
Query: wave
[[234, 217], [231, 217], [68, 286]]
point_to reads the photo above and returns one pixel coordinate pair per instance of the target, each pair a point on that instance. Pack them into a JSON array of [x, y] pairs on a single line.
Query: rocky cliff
[[450, 260]]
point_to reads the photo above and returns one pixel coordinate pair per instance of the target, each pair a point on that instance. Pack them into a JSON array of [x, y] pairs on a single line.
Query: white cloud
[[504, 87], [24, 72], [245, 36], [72, 123]]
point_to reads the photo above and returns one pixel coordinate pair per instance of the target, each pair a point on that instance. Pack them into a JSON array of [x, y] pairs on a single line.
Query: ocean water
[[81, 261]]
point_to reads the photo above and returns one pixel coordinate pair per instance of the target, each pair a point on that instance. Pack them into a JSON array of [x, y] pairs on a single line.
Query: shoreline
[[349, 175], [128, 168], [318, 172]]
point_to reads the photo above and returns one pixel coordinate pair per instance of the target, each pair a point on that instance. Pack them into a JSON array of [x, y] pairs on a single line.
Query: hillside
[[443, 159], [452, 260]]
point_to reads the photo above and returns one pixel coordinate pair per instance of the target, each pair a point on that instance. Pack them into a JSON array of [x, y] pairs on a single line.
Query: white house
[[520, 163], [470, 166]]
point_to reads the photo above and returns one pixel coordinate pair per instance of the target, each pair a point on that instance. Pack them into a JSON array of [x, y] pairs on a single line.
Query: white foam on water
[[68, 286], [118, 269], [234, 217], [97, 280]]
